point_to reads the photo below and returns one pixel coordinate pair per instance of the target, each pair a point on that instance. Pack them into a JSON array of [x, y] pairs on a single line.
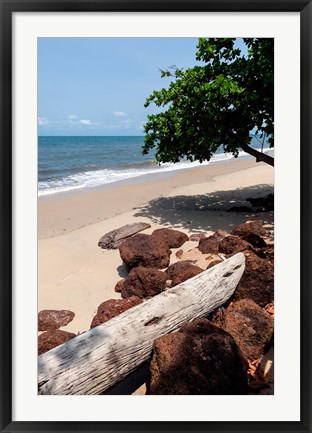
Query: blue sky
[[98, 86]]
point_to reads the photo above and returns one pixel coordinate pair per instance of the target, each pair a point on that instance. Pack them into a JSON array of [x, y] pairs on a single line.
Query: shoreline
[[64, 212], [75, 274]]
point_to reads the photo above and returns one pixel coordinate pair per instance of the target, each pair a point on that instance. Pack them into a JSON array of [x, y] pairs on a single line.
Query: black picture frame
[[8, 7]]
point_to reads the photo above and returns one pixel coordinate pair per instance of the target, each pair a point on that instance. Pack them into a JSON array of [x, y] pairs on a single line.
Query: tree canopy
[[216, 103]]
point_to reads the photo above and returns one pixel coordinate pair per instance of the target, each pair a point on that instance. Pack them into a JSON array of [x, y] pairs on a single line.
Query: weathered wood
[[93, 361], [113, 239]]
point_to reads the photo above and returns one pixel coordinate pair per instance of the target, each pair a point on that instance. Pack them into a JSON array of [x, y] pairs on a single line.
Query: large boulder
[[181, 271], [144, 250], [199, 359], [53, 338], [172, 238], [257, 282], [112, 308], [250, 326], [231, 245], [54, 319], [252, 232], [142, 282]]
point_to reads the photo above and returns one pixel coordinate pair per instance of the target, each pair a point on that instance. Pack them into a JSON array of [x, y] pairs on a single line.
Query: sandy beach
[[75, 274]]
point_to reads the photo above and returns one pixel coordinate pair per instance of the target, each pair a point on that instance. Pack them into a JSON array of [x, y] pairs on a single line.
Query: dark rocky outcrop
[[250, 326], [54, 319], [144, 250], [199, 359], [257, 282], [112, 308], [142, 282], [172, 238], [53, 338]]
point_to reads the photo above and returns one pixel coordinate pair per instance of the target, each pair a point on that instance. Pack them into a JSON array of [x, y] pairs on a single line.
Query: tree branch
[[258, 155]]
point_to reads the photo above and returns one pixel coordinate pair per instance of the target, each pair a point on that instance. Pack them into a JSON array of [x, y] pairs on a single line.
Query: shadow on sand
[[206, 211]]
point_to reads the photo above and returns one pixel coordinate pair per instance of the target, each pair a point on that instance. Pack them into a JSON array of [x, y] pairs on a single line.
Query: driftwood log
[[95, 360], [113, 239]]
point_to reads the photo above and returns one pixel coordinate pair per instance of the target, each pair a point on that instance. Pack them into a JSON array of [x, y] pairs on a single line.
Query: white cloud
[[119, 113], [86, 122], [42, 121]]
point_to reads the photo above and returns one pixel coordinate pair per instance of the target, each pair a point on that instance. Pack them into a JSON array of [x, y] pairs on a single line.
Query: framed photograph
[[155, 216]]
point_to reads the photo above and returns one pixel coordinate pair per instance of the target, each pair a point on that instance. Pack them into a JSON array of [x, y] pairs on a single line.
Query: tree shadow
[[205, 212]]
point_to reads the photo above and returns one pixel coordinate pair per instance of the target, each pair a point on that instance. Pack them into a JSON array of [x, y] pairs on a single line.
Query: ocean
[[70, 163]]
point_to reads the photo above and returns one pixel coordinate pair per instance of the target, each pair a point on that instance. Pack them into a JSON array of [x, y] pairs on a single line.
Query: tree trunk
[[258, 155], [97, 359]]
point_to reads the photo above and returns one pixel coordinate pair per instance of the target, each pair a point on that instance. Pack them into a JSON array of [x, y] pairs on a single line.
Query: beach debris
[[232, 245], [182, 271], [198, 359], [112, 240], [54, 319], [50, 339], [257, 282], [144, 250], [172, 238], [250, 326], [94, 361], [112, 308], [142, 282]]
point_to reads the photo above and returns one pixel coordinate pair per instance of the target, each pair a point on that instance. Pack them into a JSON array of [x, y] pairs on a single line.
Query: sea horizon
[[71, 162]]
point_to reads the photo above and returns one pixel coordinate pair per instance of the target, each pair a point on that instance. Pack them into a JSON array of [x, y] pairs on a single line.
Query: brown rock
[[257, 282], [254, 227], [199, 359], [144, 250], [54, 319], [179, 254], [181, 271], [119, 285], [250, 326], [213, 263], [53, 338], [209, 245], [232, 245], [112, 308], [143, 282], [251, 232], [172, 238]]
